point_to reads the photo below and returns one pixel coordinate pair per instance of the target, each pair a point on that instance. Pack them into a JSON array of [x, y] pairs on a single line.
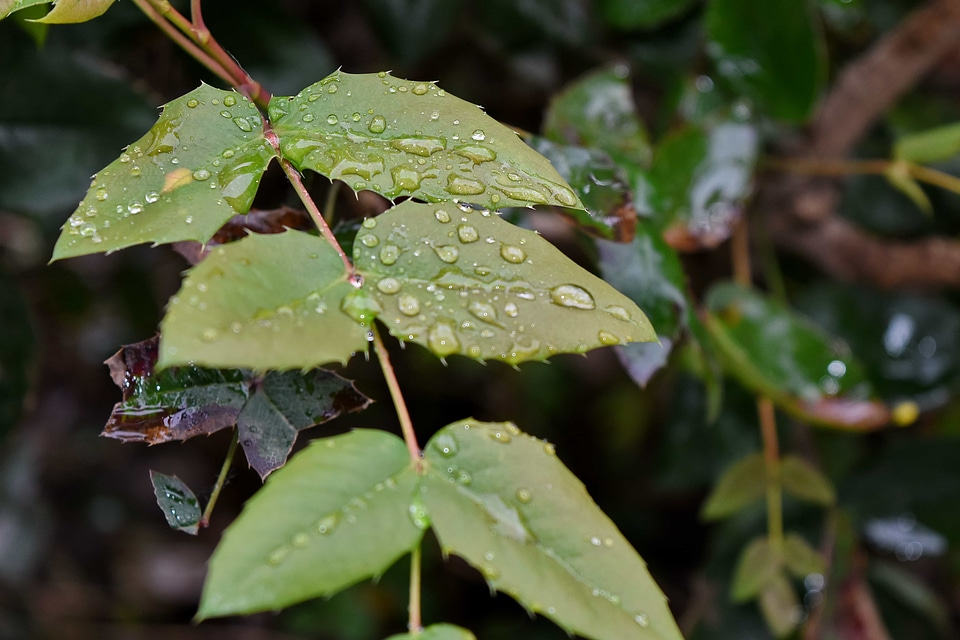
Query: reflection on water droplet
[[419, 89], [447, 253], [483, 311], [642, 620], [524, 495], [467, 234], [101, 194], [225, 113], [332, 118], [408, 305], [572, 296], [607, 338], [389, 254], [442, 339], [446, 444], [441, 216], [377, 124], [369, 240], [619, 313], [500, 436], [369, 223], [549, 449], [461, 186], [229, 101], [512, 254], [478, 135], [210, 334], [511, 310], [193, 103], [388, 285], [243, 124], [201, 175]]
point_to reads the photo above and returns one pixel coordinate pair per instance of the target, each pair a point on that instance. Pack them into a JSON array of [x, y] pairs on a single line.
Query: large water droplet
[[642, 620], [442, 339], [619, 313], [441, 216], [424, 147], [447, 253], [193, 103], [406, 179], [511, 309], [483, 311], [446, 444], [377, 124], [243, 123], [389, 254], [369, 240], [332, 118], [419, 89], [478, 135], [607, 338], [408, 305], [229, 101], [512, 254], [476, 152], [467, 233], [201, 175], [572, 296], [388, 285], [461, 186], [360, 306], [564, 196], [101, 194]]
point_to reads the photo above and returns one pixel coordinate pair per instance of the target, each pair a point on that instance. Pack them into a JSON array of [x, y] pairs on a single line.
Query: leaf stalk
[[406, 425], [221, 480]]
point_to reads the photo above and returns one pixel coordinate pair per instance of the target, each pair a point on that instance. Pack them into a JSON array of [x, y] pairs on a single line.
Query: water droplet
[[201, 175], [388, 285], [446, 444], [331, 119], [389, 254], [442, 339], [619, 313], [369, 223], [478, 135], [434, 115], [418, 515], [512, 254], [464, 478], [210, 334], [225, 113], [227, 153], [511, 309], [377, 124], [447, 253], [595, 541], [300, 540], [278, 554], [524, 495], [441, 216], [572, 296], [549, 449], [229, 101], [360, 306], [369, 240], [419, 89], [490, 572], [642, 620], [307, 117], [243, 124], [564, 196], [408, 305], [356, 116], [135, 171], [483, 311], [467, 234], [101, 194], [461, 186], [356, 280], [608, 542], [424, 147], [193, 103], [406, 179], [333, 88], [476, 152], [500, 436], [607, 338]]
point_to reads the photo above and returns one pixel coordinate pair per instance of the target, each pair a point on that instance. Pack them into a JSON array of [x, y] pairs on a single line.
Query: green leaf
[[758, 566], [404, 138], [9, 6], [898, 175], [739, 486], [932, 145], [776, 352], [779, 605], [503, 501], [800, 558], [74, 11], [770, 51], [437, 632], [199, 165], [649, 14], [913, 592], [336, 514], [598, 111], [804, 481], [177, 501], [264, 302], [463, 281]]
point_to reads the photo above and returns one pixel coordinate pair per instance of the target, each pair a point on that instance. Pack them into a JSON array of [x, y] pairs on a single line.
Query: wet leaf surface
[[197, 167], [774, 351], [264, 302], [177, 501], [339, 512], [503, 501], [437, 632], [403, 138], [262, 221], [460, 280]]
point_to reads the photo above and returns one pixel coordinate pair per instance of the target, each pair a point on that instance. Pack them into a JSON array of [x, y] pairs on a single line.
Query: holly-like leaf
[[597, 110], [741, 485], [804, 481], [337, 513], [463, 281], [404, 138], [177, 501], [437, 632], [800, 558], [758, 566], [503, 501], [776, 352], [264, 302], [198, 166], [74, 11], [182, 402], [9, 6], [932, 145]]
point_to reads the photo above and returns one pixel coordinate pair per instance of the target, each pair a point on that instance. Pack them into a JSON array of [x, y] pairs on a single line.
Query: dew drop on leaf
[[511, 309], [377, 124], [447, 253], [461, 186], [619, 313], [524, 495], [607, 338], [478, 135], [419, 89], [512, 254], [408, 305], [193, 103], [388, 285], [642, 620], [446, 444], [201, 175], [443, 339], [229, 101], [483, 311], [243, 124], [389, 254], [500, 436], [369, 240], [300, 540], [441, 216], [572, 296], [331, 119], [467, 233]]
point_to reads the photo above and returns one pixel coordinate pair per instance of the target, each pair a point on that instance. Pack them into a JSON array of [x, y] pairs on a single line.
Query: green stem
[[221, 480], [330, 204], [414, 621], [936, 178], [771, 458], [406, 425]]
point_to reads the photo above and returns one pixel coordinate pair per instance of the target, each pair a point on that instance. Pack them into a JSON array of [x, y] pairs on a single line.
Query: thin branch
[[832, 167], [297, 181], [199, 29], [221, 480], [406, 425], [414, 621], [771, 458], [936, 178]]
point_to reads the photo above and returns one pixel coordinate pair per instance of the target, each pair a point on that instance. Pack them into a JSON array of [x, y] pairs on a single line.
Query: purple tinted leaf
[[177, 501]]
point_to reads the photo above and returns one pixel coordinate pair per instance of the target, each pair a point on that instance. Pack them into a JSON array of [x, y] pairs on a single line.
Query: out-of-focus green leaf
[[800, 558], [280, 301], [198, 166], [337, 513], [898, 174], [463, 281], [932, 145], [518, 24], [779, 605], [802, 480], [74, 11], [697, 184], [177, 501], [599, 184], [775, 352], [404, 138], [758, 567], [598, 111], [411, 29], [9, 6], [437, 632], [17, 346], [503, 501], [648, 272], [630, 14], [911, 591], [769, 50], [739, 486]]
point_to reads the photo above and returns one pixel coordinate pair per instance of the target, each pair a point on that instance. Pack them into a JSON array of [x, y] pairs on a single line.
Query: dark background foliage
[[84, 552]]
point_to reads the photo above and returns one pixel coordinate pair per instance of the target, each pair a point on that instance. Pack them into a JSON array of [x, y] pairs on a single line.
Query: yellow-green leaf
[[74, 11], [739, 486], [758, 566], [804, 481]]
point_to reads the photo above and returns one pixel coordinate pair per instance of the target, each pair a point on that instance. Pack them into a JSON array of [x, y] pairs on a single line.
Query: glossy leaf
[[932, 145], [598, 111], [459, 280], [770, 51], [198, 166], [177, 501], [648, 272], [437, 632], [759, 565], [779, 605], [74, 11], [697, 184], [773, 351], [804, 481], [336, 514], [9, 6], [630, 14], [800, 558], [503, 501], [404, 138], [599, 184], [741, 485], [264, 302]]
